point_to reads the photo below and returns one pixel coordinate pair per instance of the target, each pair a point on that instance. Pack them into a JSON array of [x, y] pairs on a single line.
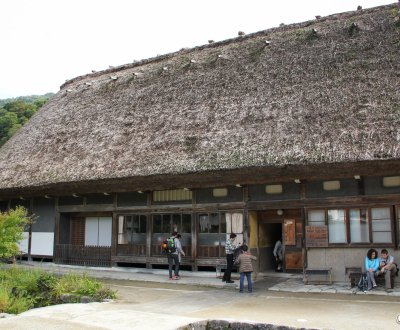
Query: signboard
[[290, 232], [316, 236]]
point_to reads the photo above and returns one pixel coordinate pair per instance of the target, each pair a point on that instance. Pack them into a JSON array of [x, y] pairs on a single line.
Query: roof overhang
[[244, 176]]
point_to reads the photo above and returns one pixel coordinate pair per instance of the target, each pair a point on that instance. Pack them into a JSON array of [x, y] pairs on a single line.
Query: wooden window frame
[[394, 216], [125, 231]]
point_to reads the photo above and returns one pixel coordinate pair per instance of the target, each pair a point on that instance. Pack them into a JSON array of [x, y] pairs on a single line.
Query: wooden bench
[[220, 264], [325, 271]]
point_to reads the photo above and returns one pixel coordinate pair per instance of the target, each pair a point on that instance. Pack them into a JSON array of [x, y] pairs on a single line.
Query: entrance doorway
[[284, 225], [269, 234]]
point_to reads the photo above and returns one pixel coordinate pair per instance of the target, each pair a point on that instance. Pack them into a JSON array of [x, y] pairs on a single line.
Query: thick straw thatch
[[320, 92]]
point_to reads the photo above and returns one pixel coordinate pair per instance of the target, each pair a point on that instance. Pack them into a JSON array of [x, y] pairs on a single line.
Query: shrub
[[4, 297], [12, 225], [13, 303], [80, 285], [19, 304], [105, 293], [22, 289], [24, 282]]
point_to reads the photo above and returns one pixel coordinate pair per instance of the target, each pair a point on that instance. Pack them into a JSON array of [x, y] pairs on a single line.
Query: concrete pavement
[[149, 300]]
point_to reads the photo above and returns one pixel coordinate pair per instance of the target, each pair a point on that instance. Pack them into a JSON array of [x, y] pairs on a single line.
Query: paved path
[[150, 301]]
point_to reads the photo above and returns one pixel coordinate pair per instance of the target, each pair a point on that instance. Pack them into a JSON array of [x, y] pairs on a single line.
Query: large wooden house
[[292, 131]]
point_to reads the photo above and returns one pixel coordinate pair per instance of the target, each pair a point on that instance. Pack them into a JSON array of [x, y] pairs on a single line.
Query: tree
[[16, 112], [12, 224], [8, 125]]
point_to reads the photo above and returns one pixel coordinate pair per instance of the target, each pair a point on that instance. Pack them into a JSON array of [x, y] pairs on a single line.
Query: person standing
[[371, 266], [278, 254], [245, 268], [230, 248], [174, 249]]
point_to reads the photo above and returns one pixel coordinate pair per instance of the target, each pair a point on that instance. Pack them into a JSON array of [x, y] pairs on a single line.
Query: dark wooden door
[[78, 231]]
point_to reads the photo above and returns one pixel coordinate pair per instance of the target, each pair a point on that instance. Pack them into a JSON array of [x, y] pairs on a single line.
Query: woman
[[371, 266]]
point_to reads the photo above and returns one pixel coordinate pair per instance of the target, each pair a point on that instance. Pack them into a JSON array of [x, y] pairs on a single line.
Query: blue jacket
[[374, 264]]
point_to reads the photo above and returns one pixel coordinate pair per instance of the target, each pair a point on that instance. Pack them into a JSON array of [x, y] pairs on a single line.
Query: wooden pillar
[[56, 235], [30, 211], [148, 240], [194, 241], [114, 237]]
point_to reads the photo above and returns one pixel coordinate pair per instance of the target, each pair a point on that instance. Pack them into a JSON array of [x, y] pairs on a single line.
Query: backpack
[[363, 283], [238, 251], [168, 245]]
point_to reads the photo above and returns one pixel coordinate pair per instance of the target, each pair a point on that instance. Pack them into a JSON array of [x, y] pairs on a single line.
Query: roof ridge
[[159, 58]]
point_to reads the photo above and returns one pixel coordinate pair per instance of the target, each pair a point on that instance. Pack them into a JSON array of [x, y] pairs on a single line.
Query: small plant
[[45, 284], [191, 143], [353, 29], [257, 49], [312, 35], [4, 297], [105, 293], [20, 304], [87, 286], [395, 12]]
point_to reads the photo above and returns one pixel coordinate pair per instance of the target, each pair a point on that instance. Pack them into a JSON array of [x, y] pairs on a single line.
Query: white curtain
[[228, 217], [98, 231], [121, 235], [234, 224], [237, 223]]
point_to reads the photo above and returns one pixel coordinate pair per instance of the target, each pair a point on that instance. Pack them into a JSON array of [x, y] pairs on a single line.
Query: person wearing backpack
[[174, 248]]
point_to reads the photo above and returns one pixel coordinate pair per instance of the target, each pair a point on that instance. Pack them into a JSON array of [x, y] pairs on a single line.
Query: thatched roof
[[320, 92]]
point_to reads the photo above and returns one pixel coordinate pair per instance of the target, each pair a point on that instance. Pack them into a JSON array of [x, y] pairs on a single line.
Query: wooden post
[[114, 237]]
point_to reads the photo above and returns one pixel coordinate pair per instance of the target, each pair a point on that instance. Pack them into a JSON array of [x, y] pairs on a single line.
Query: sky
[[46, 42]]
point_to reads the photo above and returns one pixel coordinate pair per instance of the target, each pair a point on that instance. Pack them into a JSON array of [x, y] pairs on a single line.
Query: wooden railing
[[98, 256]]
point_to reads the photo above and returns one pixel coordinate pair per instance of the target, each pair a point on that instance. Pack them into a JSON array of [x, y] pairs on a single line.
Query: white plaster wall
[[42, 243]]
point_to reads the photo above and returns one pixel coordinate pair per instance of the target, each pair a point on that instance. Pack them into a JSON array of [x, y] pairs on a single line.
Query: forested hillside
[[15, 112]]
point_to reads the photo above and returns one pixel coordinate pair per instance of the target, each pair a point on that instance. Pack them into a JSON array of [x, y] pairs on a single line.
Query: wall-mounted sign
[[290, 232], [316, 236]]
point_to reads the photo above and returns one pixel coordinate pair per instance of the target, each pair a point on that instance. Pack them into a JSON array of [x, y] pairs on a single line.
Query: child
[[245, 268]]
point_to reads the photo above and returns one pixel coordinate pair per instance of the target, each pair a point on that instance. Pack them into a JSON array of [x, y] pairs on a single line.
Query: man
[[229, 250], [278, 255], [173, 255], [386, 267]]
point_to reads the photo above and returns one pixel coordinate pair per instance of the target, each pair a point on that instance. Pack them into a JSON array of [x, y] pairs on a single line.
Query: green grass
[[21, 290]]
